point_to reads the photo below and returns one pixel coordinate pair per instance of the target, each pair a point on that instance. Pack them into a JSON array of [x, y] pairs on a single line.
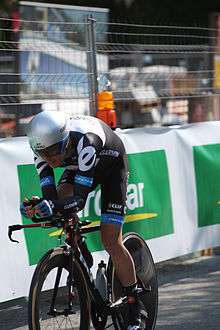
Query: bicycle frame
[[74, 233]]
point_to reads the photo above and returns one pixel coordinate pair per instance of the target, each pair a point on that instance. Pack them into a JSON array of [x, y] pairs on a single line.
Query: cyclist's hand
[[36, 206], [43, 209], [27, 209]]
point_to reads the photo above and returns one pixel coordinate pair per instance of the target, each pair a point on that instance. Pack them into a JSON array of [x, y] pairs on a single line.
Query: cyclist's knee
[[111, 237], [112, 247]]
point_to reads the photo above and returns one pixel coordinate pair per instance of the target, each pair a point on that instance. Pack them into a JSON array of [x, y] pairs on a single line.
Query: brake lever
[[10, 231]]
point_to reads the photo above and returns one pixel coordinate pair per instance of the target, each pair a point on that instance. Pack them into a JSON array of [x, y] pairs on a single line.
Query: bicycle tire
[[40, 293], [99, 318], [146, 275]]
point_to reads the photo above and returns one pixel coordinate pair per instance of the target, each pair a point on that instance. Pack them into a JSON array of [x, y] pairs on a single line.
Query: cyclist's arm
[[88, 150], [47, 180]]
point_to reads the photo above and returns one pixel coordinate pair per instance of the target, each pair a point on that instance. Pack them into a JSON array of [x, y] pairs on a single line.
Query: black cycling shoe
[[134, 307], [134, 313]]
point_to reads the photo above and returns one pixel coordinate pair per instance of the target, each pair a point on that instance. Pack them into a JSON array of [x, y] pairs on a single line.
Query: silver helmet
[[48, 133]]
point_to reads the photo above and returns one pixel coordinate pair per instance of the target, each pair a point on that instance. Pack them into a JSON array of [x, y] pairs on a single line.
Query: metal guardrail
[[159, 75]]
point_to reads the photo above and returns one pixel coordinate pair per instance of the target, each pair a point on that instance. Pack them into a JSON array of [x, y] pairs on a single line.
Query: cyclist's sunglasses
[[54, 150]]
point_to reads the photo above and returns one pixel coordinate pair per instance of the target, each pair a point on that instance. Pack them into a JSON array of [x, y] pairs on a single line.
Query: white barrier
[[173, 198]]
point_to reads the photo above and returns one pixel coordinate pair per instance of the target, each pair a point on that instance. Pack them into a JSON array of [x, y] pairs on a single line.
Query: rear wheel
[[147, 279], [57, 299]]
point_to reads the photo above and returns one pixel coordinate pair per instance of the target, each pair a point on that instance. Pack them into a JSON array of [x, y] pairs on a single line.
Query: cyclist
[[91, 154]]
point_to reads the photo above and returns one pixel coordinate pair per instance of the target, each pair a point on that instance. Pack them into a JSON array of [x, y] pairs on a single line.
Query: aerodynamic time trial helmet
[[48, 133]]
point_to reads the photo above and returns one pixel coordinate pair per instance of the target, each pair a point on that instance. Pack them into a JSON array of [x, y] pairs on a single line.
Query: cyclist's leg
[[113, 200], [124, 268], [111, 235], [113, 208]]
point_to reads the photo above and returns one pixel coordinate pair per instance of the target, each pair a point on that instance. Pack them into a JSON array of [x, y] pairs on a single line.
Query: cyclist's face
[[54, 161]]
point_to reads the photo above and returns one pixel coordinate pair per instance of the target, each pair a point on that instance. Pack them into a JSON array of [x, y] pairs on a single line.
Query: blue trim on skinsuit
[[114, 219], [48, 180], [83, 180]]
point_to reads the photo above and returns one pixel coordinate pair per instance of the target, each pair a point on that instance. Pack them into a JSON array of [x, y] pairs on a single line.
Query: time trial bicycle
[[64, 294]]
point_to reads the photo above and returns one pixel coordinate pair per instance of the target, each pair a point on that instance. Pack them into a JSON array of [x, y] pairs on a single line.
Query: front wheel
[[57, 298], [147, 279]]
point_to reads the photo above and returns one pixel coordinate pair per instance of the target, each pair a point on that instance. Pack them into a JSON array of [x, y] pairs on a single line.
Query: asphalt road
[[189, 297]]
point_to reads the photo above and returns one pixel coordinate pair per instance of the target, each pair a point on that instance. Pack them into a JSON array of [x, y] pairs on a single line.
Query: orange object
[[106, 112]]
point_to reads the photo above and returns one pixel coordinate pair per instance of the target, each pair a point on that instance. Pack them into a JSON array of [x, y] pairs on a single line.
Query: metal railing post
[[91, 64]]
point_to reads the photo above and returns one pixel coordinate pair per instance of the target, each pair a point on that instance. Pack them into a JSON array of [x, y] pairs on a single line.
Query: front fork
[[52, 310], [69, 283]]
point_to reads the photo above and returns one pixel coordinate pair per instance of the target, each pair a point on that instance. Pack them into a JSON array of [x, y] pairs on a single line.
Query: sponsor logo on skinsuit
[[87, 156], [109, 152]]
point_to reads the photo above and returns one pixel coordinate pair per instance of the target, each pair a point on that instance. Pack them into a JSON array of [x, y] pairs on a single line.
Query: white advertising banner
[[173, 198]]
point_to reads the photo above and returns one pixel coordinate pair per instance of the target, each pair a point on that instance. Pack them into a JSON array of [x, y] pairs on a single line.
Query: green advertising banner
[[149, 209], [207, 165], [180, 162]]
